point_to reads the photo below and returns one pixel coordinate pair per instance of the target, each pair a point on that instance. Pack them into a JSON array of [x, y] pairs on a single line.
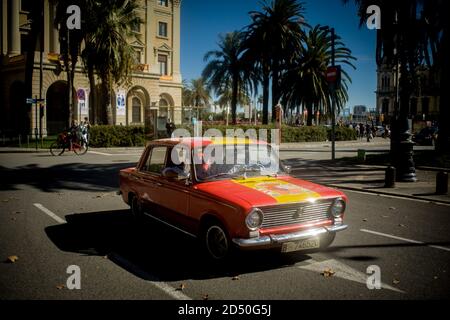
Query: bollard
[[361, 155], [442, 182], [20, 141], [389, 178], [28, 141]]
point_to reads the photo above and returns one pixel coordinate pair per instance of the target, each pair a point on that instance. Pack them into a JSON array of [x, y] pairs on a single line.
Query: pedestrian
[[170, 127], [85, 128]]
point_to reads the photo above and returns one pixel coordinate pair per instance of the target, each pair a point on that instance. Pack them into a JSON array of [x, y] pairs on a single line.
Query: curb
[[400, 195]]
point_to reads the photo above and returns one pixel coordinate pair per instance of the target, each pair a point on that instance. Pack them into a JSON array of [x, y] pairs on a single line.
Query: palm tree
[[272, 39], [304, 82], [226, 70], [108, 45], [71, 40], [199, 94]]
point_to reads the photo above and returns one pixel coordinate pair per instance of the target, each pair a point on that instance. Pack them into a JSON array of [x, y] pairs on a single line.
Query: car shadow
[[152, 250], [67, 176]]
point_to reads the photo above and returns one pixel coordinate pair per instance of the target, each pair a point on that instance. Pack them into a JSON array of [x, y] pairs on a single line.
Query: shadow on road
[[71, 176], [154, 248]]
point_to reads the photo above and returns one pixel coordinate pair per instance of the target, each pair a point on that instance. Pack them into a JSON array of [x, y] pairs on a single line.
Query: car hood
[[262, 191]]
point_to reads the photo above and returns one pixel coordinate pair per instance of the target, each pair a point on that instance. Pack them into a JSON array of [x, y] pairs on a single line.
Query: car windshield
[[235, 161]]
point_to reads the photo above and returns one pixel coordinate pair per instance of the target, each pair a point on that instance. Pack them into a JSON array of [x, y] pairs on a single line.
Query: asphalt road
[[61, 211]]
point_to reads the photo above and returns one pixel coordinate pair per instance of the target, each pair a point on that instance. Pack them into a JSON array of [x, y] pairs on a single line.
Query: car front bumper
[[278, 239]]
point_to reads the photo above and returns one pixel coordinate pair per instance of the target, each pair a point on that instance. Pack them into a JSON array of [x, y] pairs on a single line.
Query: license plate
[[312, 243]]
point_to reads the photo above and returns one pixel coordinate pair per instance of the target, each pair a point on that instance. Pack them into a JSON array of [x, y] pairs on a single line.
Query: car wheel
[[327, 239], [216, 242]]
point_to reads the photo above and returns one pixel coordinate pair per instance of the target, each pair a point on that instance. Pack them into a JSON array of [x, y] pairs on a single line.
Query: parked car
[[426, 137], [382, 132], [244, 204]]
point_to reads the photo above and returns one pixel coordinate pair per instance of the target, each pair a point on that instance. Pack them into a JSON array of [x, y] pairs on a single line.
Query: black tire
[[57, 149], [216, 242], [83, 148], [327, 239]]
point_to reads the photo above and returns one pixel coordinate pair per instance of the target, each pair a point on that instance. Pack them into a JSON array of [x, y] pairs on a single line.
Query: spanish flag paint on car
[[282, 191]]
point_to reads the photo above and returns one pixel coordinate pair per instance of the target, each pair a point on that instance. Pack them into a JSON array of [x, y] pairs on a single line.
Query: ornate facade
[[154, 93]]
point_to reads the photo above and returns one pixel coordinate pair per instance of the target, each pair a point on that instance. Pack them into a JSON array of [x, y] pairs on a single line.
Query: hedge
[[103, 136], [126, 136]]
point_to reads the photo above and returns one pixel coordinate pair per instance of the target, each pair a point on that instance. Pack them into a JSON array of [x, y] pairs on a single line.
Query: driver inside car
[[176, 166]]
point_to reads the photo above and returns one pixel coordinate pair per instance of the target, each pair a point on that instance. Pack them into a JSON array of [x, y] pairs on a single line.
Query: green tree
[[226, 70], [199, 94], [272, 40], [304, 82], [109, 46]]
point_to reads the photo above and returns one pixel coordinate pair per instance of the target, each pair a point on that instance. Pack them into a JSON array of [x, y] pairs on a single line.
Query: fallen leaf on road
[[392, 208], [385, 216], [60, 286], [328, 273], [205, 297], [5, 200], [12, 259], [402, 225], [13, 219], [395, 281], [365, 220], [235, 278], [181, 287]]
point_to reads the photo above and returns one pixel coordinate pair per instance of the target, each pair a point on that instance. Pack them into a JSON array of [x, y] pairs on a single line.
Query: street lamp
[[333, 78]]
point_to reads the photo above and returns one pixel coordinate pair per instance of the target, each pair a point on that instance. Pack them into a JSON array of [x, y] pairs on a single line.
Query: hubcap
[[217, 242]]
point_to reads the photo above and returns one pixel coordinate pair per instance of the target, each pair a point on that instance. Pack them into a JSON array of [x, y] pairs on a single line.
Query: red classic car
[[233, 201]]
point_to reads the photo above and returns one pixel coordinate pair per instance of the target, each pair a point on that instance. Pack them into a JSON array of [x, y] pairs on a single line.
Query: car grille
[[295, 213]]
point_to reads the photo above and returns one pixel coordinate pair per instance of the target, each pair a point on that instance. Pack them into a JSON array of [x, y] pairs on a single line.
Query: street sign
[[334, 75], [34, 101]]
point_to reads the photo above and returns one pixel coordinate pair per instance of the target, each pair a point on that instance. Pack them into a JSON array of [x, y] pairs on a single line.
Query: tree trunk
[[92, 96], [265, 110], [275, 91], [309, 108], [234, 96], [108, 105]]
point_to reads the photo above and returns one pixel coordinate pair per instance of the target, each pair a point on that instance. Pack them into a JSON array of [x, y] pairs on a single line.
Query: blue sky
[[202, 21]]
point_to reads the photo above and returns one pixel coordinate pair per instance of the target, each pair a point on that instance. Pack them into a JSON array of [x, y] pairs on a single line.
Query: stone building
[[424, 102], [154, 94]]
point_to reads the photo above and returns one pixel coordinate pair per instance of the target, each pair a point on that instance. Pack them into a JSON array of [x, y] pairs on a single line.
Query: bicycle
[[71, 142]]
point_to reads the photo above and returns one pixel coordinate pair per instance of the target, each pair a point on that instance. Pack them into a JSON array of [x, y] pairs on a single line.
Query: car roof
[[203, 142]]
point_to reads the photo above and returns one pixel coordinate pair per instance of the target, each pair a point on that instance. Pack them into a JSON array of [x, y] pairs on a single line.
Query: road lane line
[[153, 280], [342, 271], [404, 239], [171, 291], [49, 213], [100, 153]]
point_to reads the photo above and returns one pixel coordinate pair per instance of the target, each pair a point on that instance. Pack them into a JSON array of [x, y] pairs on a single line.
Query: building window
[[162, 30], [26, 5], [137, 57], [164, 3], [162, 60], [136, 110]]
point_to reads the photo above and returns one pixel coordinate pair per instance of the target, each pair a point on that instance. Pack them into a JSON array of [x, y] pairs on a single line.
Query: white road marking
[[100, 153], [403, 239], [389, 196], [171, 291], [49, 213], [342, 271]]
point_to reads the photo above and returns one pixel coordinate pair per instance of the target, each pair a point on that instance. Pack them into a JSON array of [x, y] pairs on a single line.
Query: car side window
[[156, 160]]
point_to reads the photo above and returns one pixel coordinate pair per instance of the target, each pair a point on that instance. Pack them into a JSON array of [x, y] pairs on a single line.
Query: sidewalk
[[367, 178]]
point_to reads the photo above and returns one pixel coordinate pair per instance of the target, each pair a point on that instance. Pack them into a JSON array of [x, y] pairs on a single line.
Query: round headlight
[[338, 208], [254, 219]]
